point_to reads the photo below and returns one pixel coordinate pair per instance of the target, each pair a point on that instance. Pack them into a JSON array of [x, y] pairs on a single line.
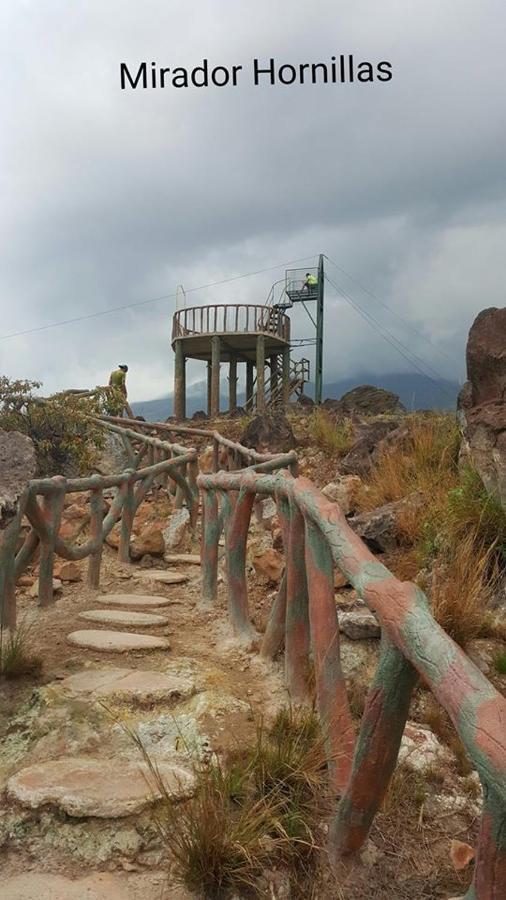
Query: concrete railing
[[303, 617]]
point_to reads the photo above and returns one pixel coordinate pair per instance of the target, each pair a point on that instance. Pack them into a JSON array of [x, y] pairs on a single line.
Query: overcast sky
[[111, 197]]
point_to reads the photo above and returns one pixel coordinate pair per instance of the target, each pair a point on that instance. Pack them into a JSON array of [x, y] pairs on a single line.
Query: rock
[[486, 356], [420, 748], [269, 434], [162, 576], [359, 625], [304, 403], [149, 541], [199, 416], [112, 539], [34, 590], [269, 565], [123, 617], [177, 534], [130, 684], [25, 581], [378, 528], [461, 855], [482, 401], [359, 460], [344, 492], [340, 581], [366, 399], [117, 641], [206, 461], [105, 788], [17, 467], [113, 457], [68, 571], [268, 513]]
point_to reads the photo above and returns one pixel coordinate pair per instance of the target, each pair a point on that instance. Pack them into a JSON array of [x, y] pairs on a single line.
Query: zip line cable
[[394, 342], [113, 309], [389, 309]]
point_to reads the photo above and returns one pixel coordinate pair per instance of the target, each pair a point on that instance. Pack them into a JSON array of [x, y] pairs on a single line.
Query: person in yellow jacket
[[117, 381], [310, 283]]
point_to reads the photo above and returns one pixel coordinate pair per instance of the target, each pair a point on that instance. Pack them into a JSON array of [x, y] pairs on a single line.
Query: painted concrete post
[[193, 471], [127, 521], [215, 376], [376, 752], [490, 863], [179, 381], [216, 454], [332, 698], [297, 614], [96, 520], [236, 545], [232, 385], [260, 374], [209, 546], [51, 510], [274, 636], [249, 386], [275, 380], [7, 569]]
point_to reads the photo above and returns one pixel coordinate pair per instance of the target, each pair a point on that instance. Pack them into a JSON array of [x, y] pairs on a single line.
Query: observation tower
[[256, 336]]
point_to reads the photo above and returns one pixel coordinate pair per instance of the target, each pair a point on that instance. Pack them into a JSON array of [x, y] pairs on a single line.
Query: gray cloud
[[114, 196]]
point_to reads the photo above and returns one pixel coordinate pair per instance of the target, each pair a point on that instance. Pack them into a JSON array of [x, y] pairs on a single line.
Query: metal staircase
[[299, 376]]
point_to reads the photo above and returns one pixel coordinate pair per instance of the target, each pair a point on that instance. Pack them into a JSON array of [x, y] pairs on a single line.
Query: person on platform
[[310, 283]]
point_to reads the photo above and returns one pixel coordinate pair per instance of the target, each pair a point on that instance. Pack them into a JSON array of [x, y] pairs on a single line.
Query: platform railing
[[232, 318], [304, 619]]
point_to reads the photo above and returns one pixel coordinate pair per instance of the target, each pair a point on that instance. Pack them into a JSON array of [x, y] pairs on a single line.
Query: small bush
[[500, 663], [16, 659], [336, 437]]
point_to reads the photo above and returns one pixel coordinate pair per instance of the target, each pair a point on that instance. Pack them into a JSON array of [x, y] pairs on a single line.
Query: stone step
[[141, 601], [103, 788], [138, 685], [161, 576], [117, 641], [188, 559], [123, 617]]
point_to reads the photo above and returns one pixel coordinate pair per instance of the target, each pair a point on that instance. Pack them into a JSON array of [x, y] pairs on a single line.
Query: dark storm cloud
[[112, 196]]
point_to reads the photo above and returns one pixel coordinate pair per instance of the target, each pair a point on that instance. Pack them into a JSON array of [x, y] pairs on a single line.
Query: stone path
[[130, 684], [162, 576], [140, 601], [123, 617], [117, 641], [96, 787]]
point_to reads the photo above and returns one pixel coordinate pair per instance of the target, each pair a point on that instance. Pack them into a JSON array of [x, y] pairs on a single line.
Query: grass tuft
[[16, 658], [500, 663], [335, 437]]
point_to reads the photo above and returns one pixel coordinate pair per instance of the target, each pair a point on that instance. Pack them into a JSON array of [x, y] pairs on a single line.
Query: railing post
[[376, 750], [331, 693], [490, 863], [7, 570], [96, 519], [260, 364], [209, 546], [215, 376], [274, 636], [51, 509], [297, 639], [216, 454], [236, 545], [127, 521]]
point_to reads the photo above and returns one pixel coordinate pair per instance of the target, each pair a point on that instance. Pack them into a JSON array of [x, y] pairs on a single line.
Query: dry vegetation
[[336, 437], [260, 807], [17, 660]]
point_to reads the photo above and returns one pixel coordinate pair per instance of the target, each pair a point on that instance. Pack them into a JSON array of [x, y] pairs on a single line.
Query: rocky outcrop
[[482, 401], [367, 400], [269, 434], [17, 467], [344, 491], [379, 527], [360, 458]]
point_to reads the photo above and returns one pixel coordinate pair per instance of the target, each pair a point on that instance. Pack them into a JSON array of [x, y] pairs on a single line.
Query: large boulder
[[17, 467], [113, 456], [269, 434], [482, 401], [367, 400], [379, 527], [361, 456]]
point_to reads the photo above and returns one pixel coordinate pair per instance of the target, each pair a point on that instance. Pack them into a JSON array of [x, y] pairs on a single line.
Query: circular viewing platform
[[238, 326]]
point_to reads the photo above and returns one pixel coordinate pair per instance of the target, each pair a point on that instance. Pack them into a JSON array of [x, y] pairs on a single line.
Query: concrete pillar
[[260, 374], [275, 380], [215, 375], [179, 381], [249, 386], [286, 376], [209, 370], [232, 385]]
